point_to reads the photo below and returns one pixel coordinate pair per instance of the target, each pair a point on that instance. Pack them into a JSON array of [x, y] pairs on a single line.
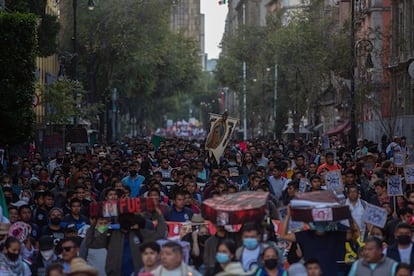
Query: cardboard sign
[[375, 215], [116, 207], [399, 159], [394, 187], [334, 181], [409, 174]]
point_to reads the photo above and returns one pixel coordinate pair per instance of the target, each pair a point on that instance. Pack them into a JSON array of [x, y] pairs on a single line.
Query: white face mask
[[265, 237], [47, 254]]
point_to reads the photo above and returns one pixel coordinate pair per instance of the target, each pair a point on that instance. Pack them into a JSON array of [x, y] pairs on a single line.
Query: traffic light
[[222, 2]]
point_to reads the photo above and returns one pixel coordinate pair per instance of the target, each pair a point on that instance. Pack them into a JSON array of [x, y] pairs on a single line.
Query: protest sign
[[334, 181], [116, 207], [221, 130], [303, 185], [375, 215], [409, 174], [293, 225], [399, 159], [394, 187]]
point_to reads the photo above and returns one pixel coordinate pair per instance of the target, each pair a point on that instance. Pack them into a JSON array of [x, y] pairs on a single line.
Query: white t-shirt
[[250, 258]]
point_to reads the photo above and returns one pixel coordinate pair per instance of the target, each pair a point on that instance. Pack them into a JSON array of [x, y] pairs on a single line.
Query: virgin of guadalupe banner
[[221, 130]]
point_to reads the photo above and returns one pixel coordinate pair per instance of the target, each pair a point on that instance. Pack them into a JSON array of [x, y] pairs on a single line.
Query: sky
[[215, 17]]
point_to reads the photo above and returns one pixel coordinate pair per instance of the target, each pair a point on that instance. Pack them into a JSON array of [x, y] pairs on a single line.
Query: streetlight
[[91, 6]]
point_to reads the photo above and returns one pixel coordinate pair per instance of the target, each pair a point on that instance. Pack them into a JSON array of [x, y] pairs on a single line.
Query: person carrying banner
[[123, 245], [327, 247]]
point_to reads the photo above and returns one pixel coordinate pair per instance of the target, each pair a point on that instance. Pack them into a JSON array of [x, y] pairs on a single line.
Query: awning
[[339, 129]]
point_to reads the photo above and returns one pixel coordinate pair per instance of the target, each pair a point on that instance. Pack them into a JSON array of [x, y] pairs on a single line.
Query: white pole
[[244, 84], [275, 103]]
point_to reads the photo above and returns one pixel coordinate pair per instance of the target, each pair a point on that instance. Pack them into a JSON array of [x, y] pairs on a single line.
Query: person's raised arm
[[284, 235]]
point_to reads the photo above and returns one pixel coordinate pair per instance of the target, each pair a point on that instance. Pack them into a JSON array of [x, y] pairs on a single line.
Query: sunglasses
[[68, 248]]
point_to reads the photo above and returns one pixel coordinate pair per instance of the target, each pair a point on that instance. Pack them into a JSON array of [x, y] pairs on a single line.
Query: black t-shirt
[[327, 249]]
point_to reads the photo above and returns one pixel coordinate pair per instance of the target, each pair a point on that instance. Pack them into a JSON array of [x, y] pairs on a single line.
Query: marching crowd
[[46, 228]]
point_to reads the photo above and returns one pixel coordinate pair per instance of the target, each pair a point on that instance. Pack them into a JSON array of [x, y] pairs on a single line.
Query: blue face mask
[[222, 258], [250, 243], [317, 227], [129, 152]]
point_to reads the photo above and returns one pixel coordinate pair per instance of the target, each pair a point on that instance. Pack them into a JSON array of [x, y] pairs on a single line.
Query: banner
[[116, 207], [221, 130]]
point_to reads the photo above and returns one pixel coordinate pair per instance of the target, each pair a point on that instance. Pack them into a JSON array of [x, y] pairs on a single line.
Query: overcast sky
[[215, 17]]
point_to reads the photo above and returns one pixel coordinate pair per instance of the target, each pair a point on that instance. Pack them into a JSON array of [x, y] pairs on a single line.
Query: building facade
[[187, 19]]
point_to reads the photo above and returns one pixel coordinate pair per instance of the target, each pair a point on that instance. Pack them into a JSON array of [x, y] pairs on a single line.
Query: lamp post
[[91, 6], [244, 84]]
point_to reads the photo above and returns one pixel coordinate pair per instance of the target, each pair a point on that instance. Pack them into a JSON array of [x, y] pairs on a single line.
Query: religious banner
[[375, 215], [221, 130], [114, 208], [409, 174], [394, 186], [334, 181]]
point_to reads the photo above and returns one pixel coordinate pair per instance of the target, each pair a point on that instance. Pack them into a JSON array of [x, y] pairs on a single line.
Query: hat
[[46, 243], [78, 265], [297, 269], [4, 228], [235, 269], [197, 219]]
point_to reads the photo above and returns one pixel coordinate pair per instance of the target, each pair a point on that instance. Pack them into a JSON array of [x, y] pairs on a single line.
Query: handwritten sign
[[116, 207], [303, 185], [375, 215], [334, 181], [322, 214], [399, 159], [394, 187], [409, 174]]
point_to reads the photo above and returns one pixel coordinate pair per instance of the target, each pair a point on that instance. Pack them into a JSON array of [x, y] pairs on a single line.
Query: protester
[[70, 250], [172, 262], [150, 253], [11, 262], [373, 261]]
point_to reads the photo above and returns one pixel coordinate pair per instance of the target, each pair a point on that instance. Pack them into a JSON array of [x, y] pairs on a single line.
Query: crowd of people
[[46, 227]]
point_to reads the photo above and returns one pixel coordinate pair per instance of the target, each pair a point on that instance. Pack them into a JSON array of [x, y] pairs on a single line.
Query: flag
[[4, 212], [221, 130], [156, 141]]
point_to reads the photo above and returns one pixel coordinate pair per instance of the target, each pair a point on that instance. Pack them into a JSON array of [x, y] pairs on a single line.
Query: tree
[[130, 47], [17, 59]]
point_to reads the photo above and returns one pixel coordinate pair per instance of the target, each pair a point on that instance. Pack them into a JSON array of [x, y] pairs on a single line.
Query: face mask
[[47, 254], [404, 239], [222, 258], [55, 221], [129, 152], [26, 198], [317, 227], [13, 257], [101, 229], [271, 263], [202, 239], [7, 186], [265, 237], [133, 173], [250, 243]]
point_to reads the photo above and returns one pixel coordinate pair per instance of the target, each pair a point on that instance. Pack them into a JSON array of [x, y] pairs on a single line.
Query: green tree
[[17, 60]]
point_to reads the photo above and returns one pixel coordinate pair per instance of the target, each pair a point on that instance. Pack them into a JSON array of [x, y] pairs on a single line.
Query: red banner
[[116, 207]]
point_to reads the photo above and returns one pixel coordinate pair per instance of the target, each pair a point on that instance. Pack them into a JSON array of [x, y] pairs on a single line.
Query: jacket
[[384, 267], [114, 241], [392, 252]]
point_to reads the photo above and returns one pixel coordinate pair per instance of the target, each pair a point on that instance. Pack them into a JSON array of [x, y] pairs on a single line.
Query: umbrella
[[235, 208]]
